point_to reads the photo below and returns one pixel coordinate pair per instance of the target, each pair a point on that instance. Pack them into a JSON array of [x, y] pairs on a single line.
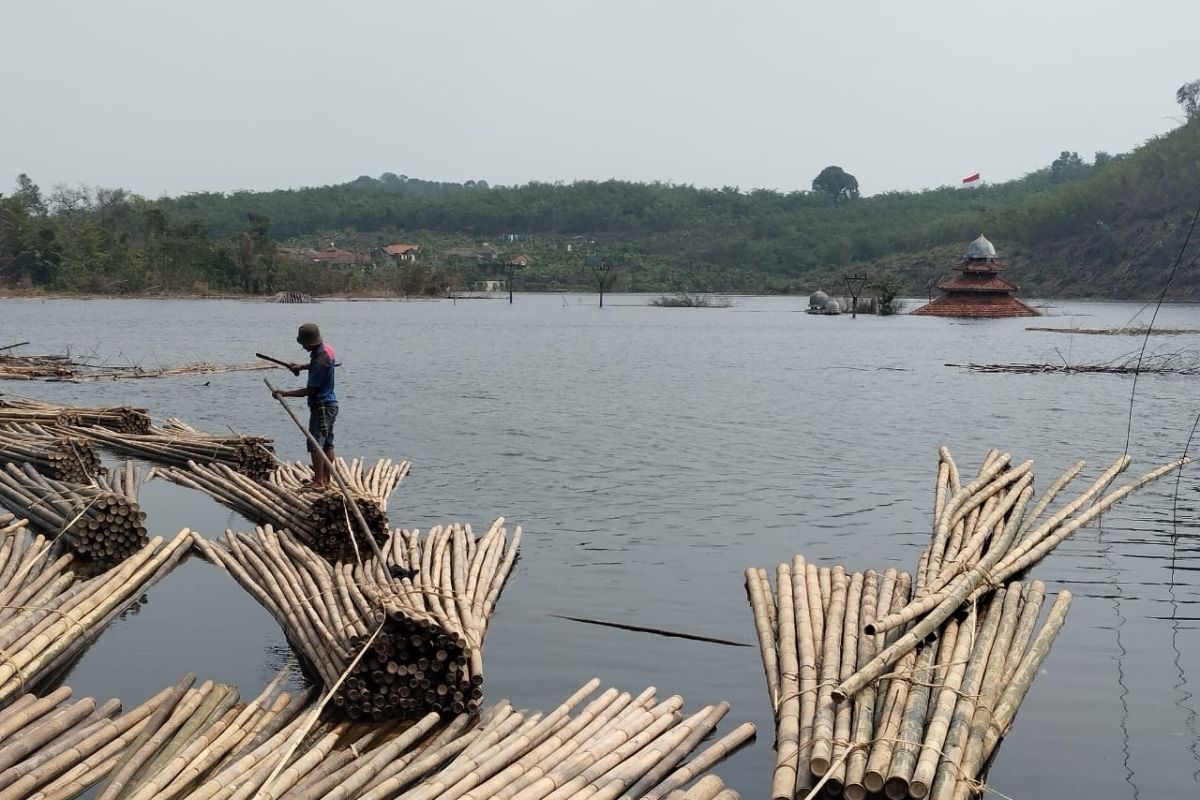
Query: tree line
[[672, 236]]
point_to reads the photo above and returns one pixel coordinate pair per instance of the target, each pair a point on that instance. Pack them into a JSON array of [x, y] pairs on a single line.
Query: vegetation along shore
[[1105, 226]]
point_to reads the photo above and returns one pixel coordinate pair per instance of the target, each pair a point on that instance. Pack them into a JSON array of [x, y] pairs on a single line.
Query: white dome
[[817, 299], [833, 307], [981, 248]]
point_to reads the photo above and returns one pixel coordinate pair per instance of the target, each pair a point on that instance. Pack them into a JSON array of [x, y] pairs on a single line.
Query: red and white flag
[[971, 178]]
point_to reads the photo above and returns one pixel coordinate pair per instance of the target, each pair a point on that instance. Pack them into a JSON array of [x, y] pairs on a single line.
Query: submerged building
[[979, 291], [821, 303]]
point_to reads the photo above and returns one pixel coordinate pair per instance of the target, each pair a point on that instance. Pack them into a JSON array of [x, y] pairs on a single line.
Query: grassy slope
[[1096, 231]]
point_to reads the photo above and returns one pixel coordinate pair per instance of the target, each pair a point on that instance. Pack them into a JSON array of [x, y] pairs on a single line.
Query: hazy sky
[[165, 96]]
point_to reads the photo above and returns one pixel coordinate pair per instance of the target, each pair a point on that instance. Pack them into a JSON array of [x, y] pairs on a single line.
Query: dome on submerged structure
[[979, 291], [817, 299], [833, 307], [981, 249]]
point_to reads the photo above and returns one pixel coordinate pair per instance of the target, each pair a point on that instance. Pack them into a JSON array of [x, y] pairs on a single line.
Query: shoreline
[[369, 296]]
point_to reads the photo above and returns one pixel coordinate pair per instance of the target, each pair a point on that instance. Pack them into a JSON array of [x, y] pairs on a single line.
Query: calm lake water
[[651, 455]]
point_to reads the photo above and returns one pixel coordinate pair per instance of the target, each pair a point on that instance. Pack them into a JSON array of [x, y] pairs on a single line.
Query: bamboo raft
[[197, 742], [64, 458], [320, 520], [905, 684], [136, 372], [177, 444], [99, 522], [408, 633], [122, 419], [28, 368], [62, 368], [47, 616]]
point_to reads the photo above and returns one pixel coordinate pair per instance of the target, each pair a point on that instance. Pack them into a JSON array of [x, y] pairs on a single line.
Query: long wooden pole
[[341, 482]]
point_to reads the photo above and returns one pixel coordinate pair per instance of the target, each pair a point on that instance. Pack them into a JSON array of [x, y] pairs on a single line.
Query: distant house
[[520, 261], [400, 251], [576, 242], [295, 255], [491, 285], [336, 257]]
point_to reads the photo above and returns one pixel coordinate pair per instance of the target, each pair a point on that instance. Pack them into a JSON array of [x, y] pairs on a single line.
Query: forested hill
[[1107, 226]]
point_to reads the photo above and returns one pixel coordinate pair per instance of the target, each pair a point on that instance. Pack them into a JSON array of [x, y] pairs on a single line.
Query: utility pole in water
[[600, 267], [510, 266], [855, 284]]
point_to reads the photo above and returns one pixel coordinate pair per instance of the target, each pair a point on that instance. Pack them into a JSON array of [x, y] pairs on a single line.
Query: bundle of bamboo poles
[[396, 638], [177, 443], [28, 368], [197, 743], [905, 683], [47, 616], [102, 522], [62, 368], [119, 418], [377, 481], [63, 458], [322, 520]]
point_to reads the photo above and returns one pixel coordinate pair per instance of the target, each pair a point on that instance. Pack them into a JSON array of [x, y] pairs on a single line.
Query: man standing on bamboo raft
[[322, 402]]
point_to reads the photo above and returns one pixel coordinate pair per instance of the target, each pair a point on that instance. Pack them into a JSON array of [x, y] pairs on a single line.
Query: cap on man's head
[[309, 334]]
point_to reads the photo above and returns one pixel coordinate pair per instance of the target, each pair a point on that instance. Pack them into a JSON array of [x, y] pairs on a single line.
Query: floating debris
[[293, 297], [1162, 364], [1128, 331], [904, 684]]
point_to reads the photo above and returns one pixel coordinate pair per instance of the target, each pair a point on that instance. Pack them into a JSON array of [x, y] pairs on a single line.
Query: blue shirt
[[320, 376]]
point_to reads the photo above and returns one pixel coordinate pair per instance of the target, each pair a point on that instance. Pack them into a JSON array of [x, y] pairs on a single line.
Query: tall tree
[[30, 194], [29, 246], [1068, 165], [1188, 97], [837, 184], [256, 255]]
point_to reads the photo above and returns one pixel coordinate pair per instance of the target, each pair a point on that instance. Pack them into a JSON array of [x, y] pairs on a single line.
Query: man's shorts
[[320, 424]]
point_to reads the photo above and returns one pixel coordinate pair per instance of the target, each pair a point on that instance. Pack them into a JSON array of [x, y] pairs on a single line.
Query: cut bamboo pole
[[766, 632], [427, 655], [910, 696], [823, 721]]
